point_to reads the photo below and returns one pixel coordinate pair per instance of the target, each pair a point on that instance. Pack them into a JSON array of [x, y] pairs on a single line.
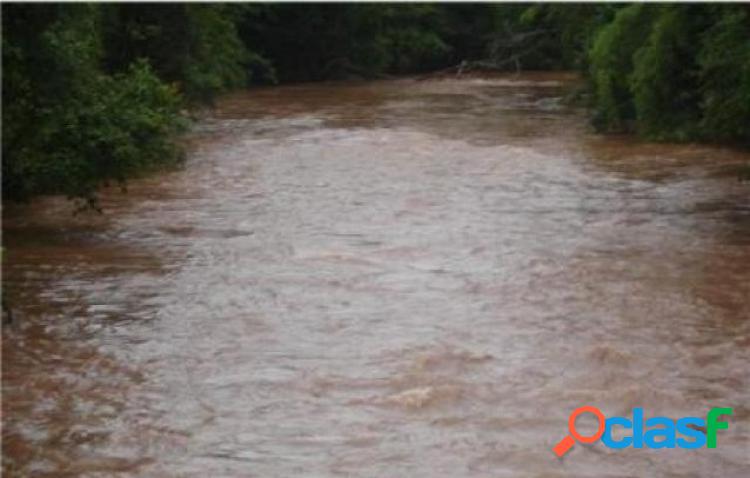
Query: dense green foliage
[[313, 42], [677, 72], [92, 92], [66, 124], [192, 45]]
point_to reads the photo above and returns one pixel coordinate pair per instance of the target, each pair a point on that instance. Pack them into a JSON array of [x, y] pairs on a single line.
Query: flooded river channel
[[398, 278]]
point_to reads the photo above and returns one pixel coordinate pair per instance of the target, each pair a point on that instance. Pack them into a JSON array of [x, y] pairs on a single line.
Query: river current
[[417, 278]]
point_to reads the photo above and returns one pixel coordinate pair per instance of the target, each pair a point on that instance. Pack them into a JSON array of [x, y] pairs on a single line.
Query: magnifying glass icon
[[564, 445]]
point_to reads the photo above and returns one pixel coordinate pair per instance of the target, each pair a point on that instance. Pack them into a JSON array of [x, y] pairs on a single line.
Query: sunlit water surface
[[397, 278]]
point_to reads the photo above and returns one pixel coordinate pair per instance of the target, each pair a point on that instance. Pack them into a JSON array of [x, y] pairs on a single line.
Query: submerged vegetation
[[93, 92]]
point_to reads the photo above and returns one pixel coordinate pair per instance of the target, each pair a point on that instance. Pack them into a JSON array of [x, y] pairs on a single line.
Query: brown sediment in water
[[402, 277]]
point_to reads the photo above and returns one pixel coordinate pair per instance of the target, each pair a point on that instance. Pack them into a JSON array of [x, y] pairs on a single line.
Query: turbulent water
[[397, 278]]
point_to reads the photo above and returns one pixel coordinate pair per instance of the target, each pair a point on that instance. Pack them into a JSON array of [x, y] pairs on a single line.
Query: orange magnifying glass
[[564, 445]]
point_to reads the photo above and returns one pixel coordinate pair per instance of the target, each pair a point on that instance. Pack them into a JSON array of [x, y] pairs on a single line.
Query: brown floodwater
[[382, 279]]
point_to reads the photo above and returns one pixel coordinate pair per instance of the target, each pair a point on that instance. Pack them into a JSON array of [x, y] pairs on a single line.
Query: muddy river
[[400, 278]]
